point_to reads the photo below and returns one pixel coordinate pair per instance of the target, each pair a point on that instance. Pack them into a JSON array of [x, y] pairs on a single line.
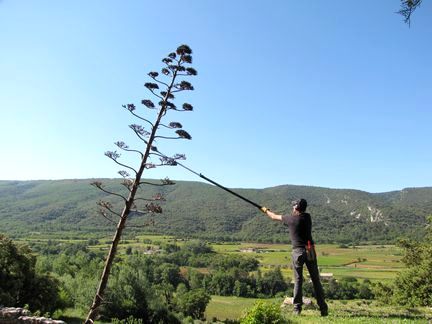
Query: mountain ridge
[[194, 208]]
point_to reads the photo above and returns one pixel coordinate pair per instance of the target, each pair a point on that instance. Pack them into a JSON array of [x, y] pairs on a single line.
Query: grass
[[359, 311], [353, 311], [222, 308], [356, 311]]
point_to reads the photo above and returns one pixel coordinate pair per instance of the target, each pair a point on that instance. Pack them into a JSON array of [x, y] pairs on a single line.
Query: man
[[303, 252]]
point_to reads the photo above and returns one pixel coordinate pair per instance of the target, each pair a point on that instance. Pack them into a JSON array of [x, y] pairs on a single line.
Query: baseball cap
[[300, 203]]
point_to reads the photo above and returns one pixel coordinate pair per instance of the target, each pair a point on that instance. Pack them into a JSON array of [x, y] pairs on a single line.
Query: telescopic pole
[[261, 208]]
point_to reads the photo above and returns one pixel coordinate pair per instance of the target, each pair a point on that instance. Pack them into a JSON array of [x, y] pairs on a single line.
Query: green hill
[[200, 209]]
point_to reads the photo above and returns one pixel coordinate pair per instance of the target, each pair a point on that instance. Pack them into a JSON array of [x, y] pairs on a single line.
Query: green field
[[373, 262], [222, 308]]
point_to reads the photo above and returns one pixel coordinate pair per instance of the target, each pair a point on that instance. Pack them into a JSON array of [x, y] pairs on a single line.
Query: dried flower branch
[[138, 116], [181, 134], [153, 208], [175, 125], [127, 183], [167, 95], [98, 184], [124, 174], [105, 215], [168, 161], [184, 85], [108, 206], [157, 197], [124, 147], [137, 132], [187, 107], [148, 103], [150, 222], [113, 155], [167, 181], [407, 9]]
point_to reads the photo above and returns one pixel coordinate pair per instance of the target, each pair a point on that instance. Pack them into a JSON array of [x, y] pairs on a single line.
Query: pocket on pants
[[298, 257]]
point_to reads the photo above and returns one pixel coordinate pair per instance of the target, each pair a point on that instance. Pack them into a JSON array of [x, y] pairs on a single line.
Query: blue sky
[[322, 93]]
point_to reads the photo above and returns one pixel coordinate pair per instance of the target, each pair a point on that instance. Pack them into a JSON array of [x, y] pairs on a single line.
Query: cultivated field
[[371, 262]]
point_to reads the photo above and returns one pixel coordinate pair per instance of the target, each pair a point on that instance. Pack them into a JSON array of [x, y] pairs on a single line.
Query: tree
[[129, 294], [192, 303], [412, 286], [167, 273], [272, 282], [171, 81], [197, 247], [222, 283], [20, 283]]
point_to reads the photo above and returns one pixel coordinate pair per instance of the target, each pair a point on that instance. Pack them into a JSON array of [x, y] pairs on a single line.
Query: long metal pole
[[222, 187]]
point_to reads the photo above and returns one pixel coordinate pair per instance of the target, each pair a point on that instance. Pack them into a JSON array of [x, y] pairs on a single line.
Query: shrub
[[264, 313]]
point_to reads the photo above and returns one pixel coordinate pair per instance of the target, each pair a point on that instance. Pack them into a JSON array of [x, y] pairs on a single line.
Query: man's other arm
[[273, 215]]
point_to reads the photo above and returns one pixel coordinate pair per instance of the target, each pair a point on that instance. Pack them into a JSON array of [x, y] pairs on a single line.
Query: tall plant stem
[[126, 210]]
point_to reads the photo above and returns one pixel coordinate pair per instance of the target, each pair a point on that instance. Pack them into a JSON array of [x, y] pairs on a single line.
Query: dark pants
[[299, 258]]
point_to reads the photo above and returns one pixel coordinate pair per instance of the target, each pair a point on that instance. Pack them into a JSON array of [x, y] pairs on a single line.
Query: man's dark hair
[[300, 205]]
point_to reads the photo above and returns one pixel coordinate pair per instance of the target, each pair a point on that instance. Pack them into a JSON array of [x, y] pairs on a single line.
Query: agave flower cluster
[[163, 87]]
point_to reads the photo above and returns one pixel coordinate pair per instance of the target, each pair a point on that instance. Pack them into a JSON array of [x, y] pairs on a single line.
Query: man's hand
[[264, 209], [270, 214]]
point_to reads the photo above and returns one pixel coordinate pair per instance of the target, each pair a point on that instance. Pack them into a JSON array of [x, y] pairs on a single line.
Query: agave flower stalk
[[176, 67]]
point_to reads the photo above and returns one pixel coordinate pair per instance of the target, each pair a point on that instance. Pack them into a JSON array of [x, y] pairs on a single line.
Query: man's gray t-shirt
[[300, 229]]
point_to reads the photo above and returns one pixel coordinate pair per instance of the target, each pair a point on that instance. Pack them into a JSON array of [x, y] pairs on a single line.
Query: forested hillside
[[202, 210]]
